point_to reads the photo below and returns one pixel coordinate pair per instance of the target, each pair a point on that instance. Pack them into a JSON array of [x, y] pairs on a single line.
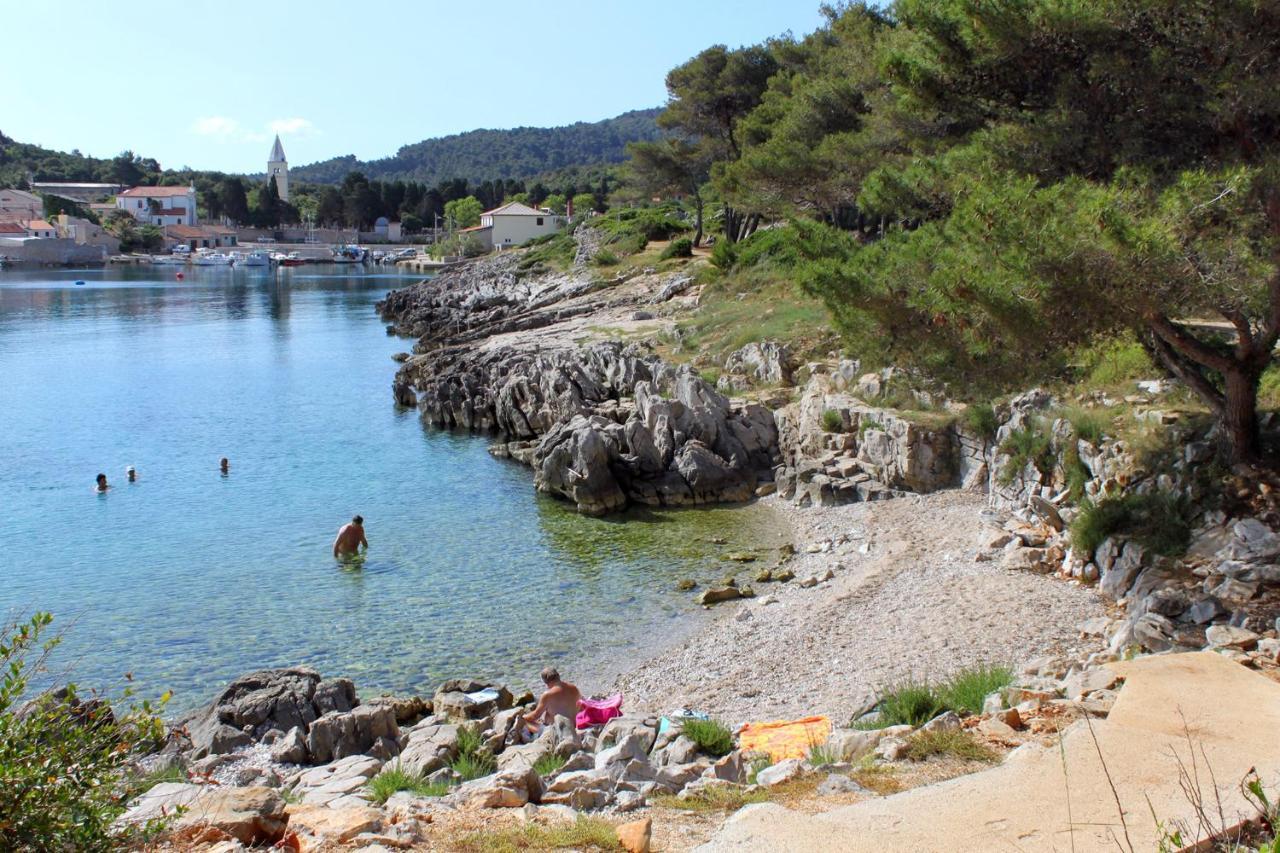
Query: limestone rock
[[333, 825], [635, 836], [508, 789], [784, 771], [250, 815], [1229, 637]]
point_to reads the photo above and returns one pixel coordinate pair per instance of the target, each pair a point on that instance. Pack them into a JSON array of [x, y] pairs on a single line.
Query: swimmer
[[131, 474], [350, 538], [101, 483], [223, 465]]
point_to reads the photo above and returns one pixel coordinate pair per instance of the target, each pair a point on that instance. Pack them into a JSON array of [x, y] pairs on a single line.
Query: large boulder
[[429, 748], [252, 816], [507, 789], [253, 704]]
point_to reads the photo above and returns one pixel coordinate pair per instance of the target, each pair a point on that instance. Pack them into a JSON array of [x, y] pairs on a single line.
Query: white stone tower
[[278, 167]]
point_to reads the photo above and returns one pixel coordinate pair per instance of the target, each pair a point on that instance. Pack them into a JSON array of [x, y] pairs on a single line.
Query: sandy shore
[[909, 599]]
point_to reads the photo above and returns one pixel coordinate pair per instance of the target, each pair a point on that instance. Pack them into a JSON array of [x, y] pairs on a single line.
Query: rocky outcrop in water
[[604, 426]]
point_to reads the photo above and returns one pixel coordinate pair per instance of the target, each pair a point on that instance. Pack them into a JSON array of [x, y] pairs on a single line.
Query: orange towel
[[785, 738]]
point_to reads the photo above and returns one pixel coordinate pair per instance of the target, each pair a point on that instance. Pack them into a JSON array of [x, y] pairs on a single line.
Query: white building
[[514, 224], [41, 230], [160, 205], [19, 206], [278, 168]]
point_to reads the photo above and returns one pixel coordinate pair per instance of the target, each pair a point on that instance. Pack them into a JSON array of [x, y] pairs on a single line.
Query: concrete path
[[1060, 799]]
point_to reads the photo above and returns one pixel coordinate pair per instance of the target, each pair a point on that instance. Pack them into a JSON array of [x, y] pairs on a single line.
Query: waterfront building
[[514, 224], [40, 229], [200, 237], [278, 167], [84, 193], [19, 206], [160, 205]]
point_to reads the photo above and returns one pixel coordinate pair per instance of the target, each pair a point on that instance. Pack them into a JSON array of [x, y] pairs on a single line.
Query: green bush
[[910, 703], [1030, 444], [832, 421], [966, 690], [473, 759], [548, 764], [393, 779], [62, 759], [1157, 521], [711, 736], [1115, 361], [681, 247], [604, 258], [980, 419], [776, 246], [724, 255], [954, 742], [1089, 424]]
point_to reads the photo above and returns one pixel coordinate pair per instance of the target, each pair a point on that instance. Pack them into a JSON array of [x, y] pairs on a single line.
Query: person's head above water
[[550, 675], [101, 479], [358, 520], [131, 473], [223, 463]]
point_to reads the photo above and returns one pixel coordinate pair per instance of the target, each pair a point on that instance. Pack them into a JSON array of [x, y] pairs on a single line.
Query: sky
[[208, 85]]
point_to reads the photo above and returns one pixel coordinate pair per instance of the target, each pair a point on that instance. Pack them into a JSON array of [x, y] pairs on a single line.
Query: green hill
[[521, 152]]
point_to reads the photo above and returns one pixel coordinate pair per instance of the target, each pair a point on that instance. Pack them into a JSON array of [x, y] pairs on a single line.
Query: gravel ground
[[909, 599]]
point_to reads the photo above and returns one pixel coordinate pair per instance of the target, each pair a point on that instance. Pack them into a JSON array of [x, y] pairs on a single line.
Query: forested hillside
[[522, 152], [20, 162]]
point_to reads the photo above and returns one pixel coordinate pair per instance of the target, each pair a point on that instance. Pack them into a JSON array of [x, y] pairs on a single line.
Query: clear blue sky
[[207, 85]]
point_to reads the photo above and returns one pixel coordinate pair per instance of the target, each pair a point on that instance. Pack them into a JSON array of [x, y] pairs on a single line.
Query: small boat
[[205, 258], [170, 260], [350, 254], [256, 258]]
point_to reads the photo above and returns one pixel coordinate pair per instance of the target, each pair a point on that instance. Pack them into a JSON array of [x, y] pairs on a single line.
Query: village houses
[[160, 205], [20, 206]]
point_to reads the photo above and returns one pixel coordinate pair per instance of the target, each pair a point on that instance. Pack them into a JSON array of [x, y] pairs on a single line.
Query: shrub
[[1269, 389], [473, 759], [776, 246], [980, 419], [715, 799], [910, 703], [1089, 424], [832, 421], [1115, 361], [61, 758], [393, 779], [586, 833], [724, 255], [681, 247], [548, 764], [955, 742], [820, 755], [1030, 444], [1157, 521], [966, 690], [712, 736], [604, 258]]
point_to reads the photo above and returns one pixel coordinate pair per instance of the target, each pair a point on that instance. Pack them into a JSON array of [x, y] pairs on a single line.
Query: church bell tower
[[278, 167]]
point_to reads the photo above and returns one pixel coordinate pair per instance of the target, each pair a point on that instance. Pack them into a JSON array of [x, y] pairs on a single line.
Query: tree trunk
[[697, 224], [1240, 414]]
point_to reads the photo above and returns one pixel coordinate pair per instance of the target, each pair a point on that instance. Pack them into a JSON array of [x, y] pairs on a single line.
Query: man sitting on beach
[[560, 700], [350, 538]]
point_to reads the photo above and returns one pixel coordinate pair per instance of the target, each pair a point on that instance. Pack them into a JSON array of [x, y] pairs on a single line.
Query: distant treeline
[[519, 153]]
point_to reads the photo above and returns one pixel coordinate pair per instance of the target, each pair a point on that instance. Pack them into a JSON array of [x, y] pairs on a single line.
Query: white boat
[[169, 260], [205, 258], [256, 258]]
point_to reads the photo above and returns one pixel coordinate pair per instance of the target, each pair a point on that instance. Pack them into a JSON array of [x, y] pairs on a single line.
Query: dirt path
[[909, 600]]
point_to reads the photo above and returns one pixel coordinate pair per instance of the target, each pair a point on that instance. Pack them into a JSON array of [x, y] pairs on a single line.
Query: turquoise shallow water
[[187, 579]]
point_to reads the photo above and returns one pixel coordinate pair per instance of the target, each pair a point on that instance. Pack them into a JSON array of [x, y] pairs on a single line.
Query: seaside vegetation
[[395, 778], [915, 703], [63, 757], [954, 195], [1156, 520], [548, 764], [953, 742], [585, 833], [712, 736], [832, 421], [473, 759]]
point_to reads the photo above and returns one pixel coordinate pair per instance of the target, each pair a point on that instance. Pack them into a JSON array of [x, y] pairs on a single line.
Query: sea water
[[188, 578]]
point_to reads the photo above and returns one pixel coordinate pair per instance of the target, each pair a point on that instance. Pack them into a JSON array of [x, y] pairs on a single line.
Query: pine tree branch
[[1189, 372], [1186, 344]]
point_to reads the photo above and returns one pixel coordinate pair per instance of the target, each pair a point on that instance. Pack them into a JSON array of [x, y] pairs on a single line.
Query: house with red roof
[[160, 205]]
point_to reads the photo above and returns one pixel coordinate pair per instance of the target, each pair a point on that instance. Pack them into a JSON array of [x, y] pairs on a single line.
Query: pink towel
[[597, 712]]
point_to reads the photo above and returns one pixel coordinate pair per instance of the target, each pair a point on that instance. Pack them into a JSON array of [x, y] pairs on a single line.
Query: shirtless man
[[350, 538], [100, 483], [560, 700]]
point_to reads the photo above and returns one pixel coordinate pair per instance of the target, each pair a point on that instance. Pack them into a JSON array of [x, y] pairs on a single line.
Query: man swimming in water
[[350, 538], [101, 482]]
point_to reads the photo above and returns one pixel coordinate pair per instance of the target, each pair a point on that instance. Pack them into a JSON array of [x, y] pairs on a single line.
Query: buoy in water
[[79, 282], [181, 276]]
